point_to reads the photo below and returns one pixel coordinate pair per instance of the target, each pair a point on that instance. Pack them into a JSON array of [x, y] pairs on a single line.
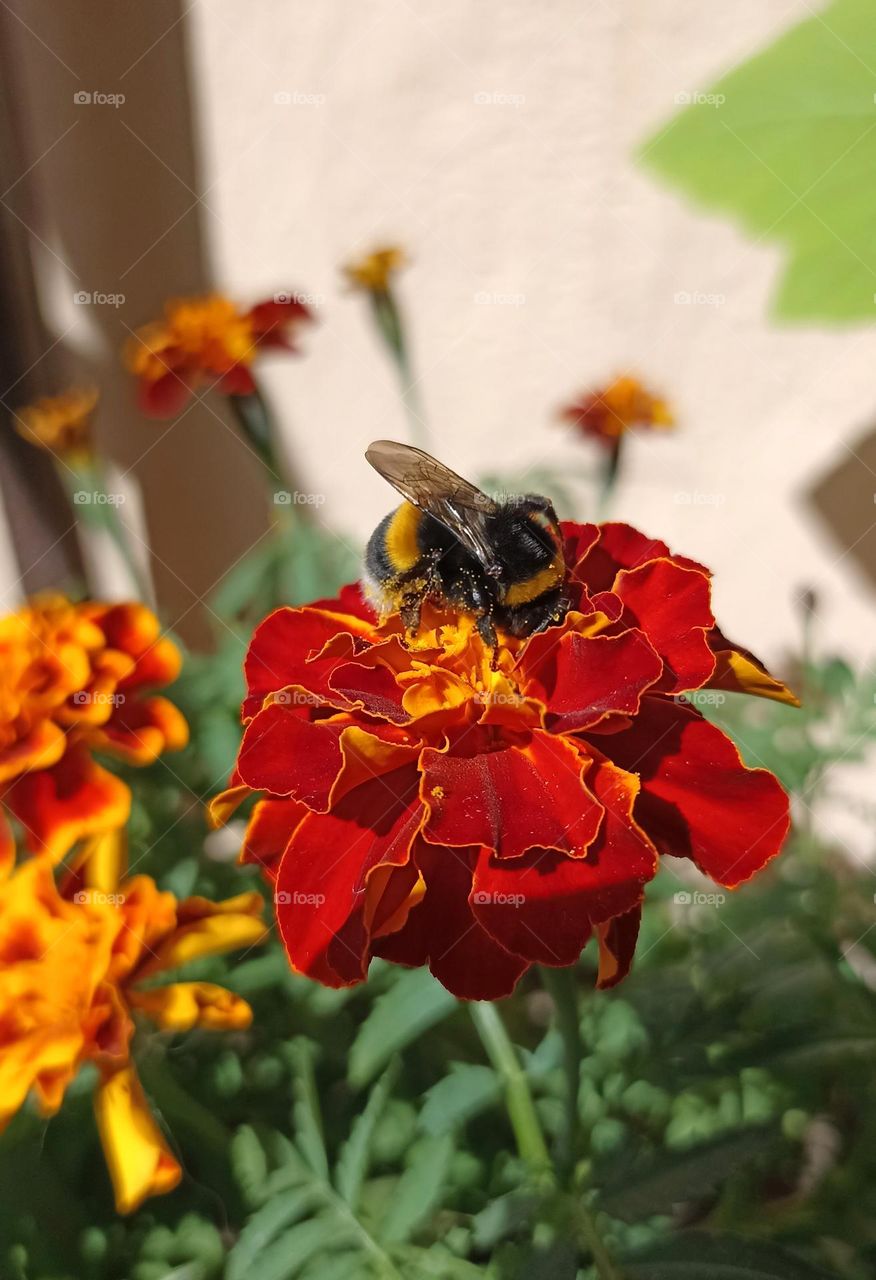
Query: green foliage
[[785, 144]]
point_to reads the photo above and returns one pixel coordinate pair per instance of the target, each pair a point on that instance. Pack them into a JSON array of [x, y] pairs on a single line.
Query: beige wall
[[531, 193]]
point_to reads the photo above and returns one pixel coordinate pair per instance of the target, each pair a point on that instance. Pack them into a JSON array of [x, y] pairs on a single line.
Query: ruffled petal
[[617, 945], [207, 928], [583, 679], [314, 762], [285, 650], [74, 799], [139, 1160], [39, 749], [672, 606], [698, 800], [443, 932], [183, 1005], [269, 830], [322, 883], [511, 800], [139, 731]]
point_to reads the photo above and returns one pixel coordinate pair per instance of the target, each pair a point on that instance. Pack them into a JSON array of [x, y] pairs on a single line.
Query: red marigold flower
[[609, 413], [208, 340], [432, 802], [73, 680]]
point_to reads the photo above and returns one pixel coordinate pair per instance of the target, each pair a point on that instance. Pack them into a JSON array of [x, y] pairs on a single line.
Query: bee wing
[[460, 506]]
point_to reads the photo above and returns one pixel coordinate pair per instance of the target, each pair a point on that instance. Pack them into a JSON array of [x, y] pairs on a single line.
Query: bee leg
[[410, 613], [487, 633]]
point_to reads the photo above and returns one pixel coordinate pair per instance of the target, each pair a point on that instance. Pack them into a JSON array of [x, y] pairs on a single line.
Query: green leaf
[[264, 1225], [306, 1111], [786, 144], [286, 1257], [355, 1154], [249, 1162], [695, 1256], [419, 1189], [637, 1188], [466, 1091], [414, 1003]]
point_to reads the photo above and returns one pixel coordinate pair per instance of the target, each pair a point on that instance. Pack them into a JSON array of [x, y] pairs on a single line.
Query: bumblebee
[[500, 562]]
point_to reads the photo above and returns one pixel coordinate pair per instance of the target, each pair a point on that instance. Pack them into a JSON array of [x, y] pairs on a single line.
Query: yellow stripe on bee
[[537, 585], [402, 541]]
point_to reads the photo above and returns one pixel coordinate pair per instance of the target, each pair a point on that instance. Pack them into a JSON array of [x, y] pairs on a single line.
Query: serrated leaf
[[306, 1111], [695, 1255], [264, 1225], [637, 1188], [414, 1003], [786, 143], [355, 1154], [249, 1162], [466, 1091], [418, 1190], [289, 1254]]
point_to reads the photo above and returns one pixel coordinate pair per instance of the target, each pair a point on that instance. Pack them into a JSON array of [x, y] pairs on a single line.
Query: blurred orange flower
[[72, 965], [72, 681], [203, 341], [625, 404], [60, 424], [374, 271]]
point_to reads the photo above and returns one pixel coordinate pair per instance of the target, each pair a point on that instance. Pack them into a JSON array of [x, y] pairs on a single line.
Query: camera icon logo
[[82, 98], [282, 898], [682, 898], [81, 497], [284, 298], [283, 498], [82, 298], [283, 98]]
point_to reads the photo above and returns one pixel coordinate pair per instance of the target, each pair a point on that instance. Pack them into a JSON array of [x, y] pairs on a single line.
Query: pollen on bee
[[437, 793]]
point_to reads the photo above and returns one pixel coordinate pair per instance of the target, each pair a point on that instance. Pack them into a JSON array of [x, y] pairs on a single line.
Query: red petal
[[443, 933], [321, 884], [348, 600], [511, 800], [314, 762], [269, 830], [617, 946], [166, 397], [698, 799], [543, 906], [284, 651], [237, 381], [583, 678], [672, 606], [270, 318]]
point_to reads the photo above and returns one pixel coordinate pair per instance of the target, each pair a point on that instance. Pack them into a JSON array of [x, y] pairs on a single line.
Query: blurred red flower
[[608, 414], [428, 801], [203, 341]]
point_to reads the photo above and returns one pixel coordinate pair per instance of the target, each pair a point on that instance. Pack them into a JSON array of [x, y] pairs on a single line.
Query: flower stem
[[606, 1267], [521, 1108], [389, 323], [560, 983]]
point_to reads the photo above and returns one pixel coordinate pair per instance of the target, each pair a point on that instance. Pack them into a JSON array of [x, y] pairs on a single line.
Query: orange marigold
[[374, 271], [606, 415], [72, 961], [60, 424], [208, 340], [72, 681]]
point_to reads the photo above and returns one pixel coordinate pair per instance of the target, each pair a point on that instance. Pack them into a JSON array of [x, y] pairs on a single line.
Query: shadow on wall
[[112, 210]]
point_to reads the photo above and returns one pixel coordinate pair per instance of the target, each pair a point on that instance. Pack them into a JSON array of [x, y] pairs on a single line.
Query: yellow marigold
[[61, 424], [374, 271], [73, 963], [72, 680], [207, 340], [607, 414]]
